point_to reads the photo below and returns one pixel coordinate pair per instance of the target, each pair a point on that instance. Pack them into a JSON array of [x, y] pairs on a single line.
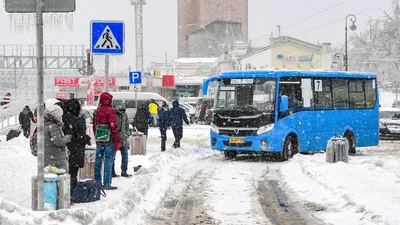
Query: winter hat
[[55, 111], [50, 101]]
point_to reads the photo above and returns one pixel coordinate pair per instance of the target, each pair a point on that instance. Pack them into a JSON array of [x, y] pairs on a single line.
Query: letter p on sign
[[135, 77]]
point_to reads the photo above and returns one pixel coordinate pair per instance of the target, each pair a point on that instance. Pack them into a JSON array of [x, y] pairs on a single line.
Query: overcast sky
[[160, 24]]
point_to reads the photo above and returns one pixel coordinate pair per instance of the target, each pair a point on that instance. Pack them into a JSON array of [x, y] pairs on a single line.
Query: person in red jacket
[[105, 115]]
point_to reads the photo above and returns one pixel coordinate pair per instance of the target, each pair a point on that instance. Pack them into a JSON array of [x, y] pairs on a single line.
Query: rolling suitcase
[[87, 172], [137, 144]]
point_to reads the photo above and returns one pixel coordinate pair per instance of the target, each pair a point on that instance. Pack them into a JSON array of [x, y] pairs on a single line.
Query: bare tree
[[377, 47]]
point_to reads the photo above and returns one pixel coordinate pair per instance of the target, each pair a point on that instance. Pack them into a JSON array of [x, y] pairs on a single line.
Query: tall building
[[197, 15]]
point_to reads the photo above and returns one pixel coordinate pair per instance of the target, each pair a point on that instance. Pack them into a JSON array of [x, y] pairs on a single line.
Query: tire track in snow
[[232, 197], [183, 202], [278, 207]]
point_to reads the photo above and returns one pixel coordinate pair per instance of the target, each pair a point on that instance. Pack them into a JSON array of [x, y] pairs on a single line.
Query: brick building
[[197, 14]]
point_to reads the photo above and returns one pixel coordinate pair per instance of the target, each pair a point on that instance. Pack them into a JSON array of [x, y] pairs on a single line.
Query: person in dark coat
[[25, 117], [142, 119], [177, 115], [55, 142], [164, 122], [74, 126], [124, 132], [105, 115]]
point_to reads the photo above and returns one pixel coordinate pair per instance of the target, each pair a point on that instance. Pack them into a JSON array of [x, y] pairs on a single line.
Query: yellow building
[[287, 52]]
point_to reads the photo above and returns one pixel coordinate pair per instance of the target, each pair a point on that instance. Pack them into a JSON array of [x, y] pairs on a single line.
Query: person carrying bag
[[105, 128]]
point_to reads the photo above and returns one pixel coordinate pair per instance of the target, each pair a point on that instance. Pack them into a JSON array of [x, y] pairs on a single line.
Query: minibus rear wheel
[[350, 138]]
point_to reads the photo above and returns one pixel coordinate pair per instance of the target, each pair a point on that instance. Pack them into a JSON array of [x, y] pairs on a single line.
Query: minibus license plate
[[236, 140]]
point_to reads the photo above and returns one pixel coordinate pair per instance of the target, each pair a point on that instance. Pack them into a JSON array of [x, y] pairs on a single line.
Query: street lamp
[[353, 27]]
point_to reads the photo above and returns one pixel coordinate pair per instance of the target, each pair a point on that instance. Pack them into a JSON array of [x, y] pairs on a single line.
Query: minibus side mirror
[[284, 104]]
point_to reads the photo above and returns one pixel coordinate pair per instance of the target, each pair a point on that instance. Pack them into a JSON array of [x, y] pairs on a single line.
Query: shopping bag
[[137, 144], [13, 134], [87, 172]]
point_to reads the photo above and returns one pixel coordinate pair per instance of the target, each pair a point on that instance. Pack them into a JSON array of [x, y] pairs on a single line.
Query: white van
[[128, 98]]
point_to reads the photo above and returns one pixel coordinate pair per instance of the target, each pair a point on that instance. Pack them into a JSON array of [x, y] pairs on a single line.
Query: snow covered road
[[195, 185]]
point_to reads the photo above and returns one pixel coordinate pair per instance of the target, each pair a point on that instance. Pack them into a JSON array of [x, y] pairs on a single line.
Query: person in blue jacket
[[177, 115], [163, 122]]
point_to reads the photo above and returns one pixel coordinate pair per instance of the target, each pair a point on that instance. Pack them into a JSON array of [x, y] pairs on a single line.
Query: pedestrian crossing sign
[[107, 37]]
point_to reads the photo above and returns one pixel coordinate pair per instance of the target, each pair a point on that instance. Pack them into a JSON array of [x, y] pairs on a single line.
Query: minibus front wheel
[[290, 147], [230, 154]]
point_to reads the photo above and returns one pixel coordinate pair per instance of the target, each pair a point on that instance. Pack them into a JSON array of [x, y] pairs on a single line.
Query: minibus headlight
[[265, 129], [214, 128]]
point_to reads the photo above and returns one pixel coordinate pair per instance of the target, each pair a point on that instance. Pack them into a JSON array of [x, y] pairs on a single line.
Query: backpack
[[33, 143], [102, 133], [87, 191]]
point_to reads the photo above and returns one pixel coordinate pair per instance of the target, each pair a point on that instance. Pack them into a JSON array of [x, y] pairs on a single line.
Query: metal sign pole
[[107, 67], [137, 107], [39, 89]]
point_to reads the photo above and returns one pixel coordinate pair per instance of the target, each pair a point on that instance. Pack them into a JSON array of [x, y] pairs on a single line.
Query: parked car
[[128, 98], [190, 110], [396, 104], [389, 123]]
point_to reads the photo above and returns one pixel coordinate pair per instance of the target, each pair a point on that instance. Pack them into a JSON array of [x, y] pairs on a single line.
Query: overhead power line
[[314, 15], [341, 19], [307, 18]]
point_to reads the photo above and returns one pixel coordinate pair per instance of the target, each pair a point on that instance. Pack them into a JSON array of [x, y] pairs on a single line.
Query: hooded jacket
[[55, 151], [123, 124], [177, 115], [77, 129], [105, 114], [164, 117], [142, 118]]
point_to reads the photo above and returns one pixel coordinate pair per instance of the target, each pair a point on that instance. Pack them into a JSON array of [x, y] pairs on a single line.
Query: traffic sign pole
[[107, 68], [40, 107]]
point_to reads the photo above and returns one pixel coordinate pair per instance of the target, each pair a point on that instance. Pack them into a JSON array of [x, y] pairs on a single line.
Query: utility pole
[[40, 107], [166, 64], [279, 30], [139, 33]]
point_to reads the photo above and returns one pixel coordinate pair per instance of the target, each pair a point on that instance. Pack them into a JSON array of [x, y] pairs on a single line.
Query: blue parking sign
[[135, 77]]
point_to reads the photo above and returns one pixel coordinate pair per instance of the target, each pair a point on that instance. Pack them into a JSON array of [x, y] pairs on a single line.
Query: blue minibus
[[285, 112]]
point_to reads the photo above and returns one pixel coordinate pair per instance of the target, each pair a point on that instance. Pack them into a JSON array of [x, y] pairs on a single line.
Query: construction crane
[[139, 33]]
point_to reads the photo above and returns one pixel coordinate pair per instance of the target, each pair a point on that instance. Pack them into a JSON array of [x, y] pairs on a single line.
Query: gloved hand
[[117, 146], [87, 140], [68, 137]]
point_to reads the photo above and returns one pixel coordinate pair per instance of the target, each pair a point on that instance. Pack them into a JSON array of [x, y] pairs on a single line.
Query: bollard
[[64, 194], [50, 192], [337, 150]]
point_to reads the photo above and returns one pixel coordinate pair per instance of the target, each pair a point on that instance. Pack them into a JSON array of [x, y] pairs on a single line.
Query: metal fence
[[9, 113]]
